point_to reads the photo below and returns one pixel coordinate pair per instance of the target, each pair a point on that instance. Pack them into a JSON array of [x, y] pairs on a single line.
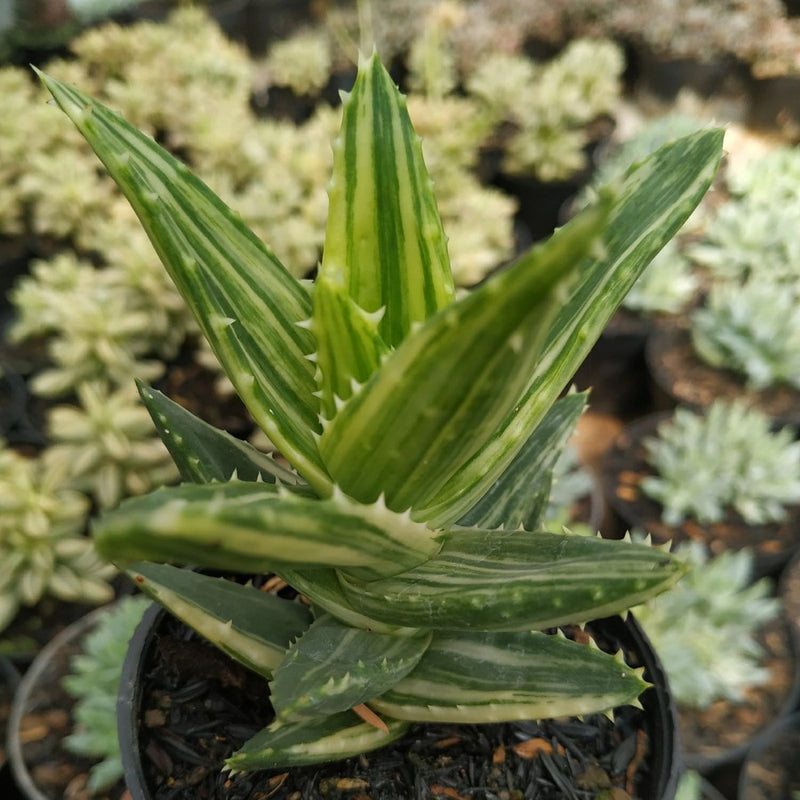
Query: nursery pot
[[142, 755], [35, 707], [771, 770]]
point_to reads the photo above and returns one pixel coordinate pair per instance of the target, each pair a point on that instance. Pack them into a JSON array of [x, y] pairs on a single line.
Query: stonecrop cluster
[[421, 428]]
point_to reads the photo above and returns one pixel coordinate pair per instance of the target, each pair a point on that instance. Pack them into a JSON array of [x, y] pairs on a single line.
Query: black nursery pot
[[658, 720]]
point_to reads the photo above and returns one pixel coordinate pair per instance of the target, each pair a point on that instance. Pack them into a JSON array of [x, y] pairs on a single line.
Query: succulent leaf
[[496, 677], [334, 667], [254, 627], [384, 241], [349, 347], [655, 200], [249, 527], [288, 744], [520, 495], [513, 581], [439, 397], [204, 453], [245, 301]]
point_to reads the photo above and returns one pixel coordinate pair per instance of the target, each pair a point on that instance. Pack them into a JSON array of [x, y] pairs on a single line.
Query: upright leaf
[[657, 197], [247, 304], [439, 397], [384, 242]]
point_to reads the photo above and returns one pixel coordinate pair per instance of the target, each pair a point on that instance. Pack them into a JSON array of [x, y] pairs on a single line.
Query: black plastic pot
[[659, 707], [771, 770], [9, 680]]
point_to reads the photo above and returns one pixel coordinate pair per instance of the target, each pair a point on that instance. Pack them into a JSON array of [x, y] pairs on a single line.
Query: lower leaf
[[485, 677], [294, 744]]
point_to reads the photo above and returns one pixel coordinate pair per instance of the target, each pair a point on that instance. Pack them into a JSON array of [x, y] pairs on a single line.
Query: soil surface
[[199, 706], [690, 381]]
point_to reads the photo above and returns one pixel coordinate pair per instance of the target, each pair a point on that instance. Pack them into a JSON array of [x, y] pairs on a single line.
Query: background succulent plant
[[43, 546], [705, 629], [94, 682], [752, 328], [726, 459]]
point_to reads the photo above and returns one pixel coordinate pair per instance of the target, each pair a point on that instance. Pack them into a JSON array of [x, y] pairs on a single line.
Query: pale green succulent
[[752, 236], [753, 329], [704, 629], [43, 549], [725, 459], [302, 62], [93, 681], [414, 423], [106, 446]]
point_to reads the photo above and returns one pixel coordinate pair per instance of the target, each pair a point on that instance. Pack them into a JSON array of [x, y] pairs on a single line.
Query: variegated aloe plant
[[421, 429]]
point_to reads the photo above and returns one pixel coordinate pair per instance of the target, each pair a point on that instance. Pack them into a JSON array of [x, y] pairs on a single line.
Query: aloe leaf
[[333, 667], [349, 347], [384, 241], [656, 199], [514, 581], [253, 627], [291, 744], [485, 677], [520, 495], [204, 453], [247, 304], [440, 396], [250, 527], [322, 587]]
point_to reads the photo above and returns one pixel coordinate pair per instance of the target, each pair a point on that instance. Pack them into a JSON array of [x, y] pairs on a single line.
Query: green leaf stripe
[[249, 527], [333, 667], [253, 627], [656, 199], [515, 581], [483, 677], [246, 303], [384, 240]]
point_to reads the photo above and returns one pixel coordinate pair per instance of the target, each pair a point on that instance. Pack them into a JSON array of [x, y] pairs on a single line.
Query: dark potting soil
[[199, 706], [688, 380]]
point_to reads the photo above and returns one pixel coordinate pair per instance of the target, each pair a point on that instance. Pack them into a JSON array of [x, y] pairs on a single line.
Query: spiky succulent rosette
[[421, 428]]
